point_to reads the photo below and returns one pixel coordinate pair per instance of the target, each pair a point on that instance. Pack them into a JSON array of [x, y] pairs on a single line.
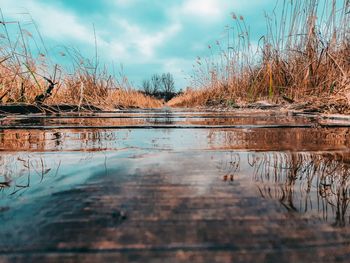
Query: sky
[[144, 36]]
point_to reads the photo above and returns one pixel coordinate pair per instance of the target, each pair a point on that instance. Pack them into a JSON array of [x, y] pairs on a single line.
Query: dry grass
[[24, 74], [131, 99], [304, 55], [77, 90], [102, 91]]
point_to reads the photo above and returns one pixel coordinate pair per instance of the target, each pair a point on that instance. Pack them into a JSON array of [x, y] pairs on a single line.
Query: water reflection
[[305, 183], [20, 171], [289, 166], [164, 118], [229, 167], [62, 140], [167, 119], [296, 139]]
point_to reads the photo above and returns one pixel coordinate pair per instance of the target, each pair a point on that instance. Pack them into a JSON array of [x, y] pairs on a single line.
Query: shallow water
[[203, 186]]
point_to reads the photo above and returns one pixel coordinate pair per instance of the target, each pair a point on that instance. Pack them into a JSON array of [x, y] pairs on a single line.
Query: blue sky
[[145, 36]]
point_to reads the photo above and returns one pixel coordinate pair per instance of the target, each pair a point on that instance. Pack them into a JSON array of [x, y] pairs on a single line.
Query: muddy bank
[[335, 104], [313, 106], [46, 109]]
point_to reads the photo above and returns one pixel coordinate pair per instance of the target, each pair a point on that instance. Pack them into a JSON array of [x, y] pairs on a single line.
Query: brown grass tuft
[[304, 54]]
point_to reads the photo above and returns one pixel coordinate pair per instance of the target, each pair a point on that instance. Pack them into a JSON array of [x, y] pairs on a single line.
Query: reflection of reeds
[[66, 140], [280, 139], [230, 166], [303, 182], [304, 53], [19, 171]]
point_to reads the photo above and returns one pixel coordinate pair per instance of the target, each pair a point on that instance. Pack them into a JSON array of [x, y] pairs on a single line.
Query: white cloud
[[145, 43], [209, 9], [131, 41], [52, 21]]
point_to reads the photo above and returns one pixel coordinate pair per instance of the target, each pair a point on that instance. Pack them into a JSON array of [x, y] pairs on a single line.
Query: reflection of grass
[[26, 74], [19, 171], [66, 140], [303, 55], [4, 185], [300, 180], [230, 167]]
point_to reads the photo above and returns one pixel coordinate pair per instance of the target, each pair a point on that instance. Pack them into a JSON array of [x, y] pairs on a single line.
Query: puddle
[[149, 192], [155, 119]]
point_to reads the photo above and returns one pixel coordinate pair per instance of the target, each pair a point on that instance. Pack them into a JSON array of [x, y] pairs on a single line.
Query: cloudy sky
[[145, 36]]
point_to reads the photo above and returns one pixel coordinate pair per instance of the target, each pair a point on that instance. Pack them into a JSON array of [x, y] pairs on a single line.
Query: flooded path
[[143, 186]]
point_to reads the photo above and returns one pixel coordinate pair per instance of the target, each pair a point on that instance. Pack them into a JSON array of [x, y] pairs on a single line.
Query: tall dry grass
[[304, 54], [26, 73]]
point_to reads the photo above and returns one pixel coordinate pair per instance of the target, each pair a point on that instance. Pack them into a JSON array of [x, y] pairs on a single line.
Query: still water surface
[[208, 186]]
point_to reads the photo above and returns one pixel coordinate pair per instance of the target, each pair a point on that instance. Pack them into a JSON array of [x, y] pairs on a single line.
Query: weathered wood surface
[[171, 195], [167, 214]]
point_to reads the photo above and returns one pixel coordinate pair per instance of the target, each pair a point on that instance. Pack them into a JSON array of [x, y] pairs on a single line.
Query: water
[[189, 186]]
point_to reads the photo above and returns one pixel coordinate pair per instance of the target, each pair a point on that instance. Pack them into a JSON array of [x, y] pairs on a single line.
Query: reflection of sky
[[189, 173], [146, 36]]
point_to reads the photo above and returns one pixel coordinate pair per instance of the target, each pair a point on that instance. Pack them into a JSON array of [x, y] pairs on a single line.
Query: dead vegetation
[[303, 57], [27, 75]]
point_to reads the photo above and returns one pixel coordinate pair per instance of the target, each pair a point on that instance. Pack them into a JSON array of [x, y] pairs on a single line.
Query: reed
[[304, 55], [26, 74]]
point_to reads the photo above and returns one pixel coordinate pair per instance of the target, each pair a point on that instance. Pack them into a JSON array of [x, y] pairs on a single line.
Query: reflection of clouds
[[301, 182], [21, 171]]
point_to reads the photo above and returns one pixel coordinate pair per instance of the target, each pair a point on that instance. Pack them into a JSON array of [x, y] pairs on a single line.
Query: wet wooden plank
[[160, 202]]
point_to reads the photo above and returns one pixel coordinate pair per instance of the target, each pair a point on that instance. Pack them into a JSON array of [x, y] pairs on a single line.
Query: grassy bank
[[27, 75], [304, 56], [18, 86]]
